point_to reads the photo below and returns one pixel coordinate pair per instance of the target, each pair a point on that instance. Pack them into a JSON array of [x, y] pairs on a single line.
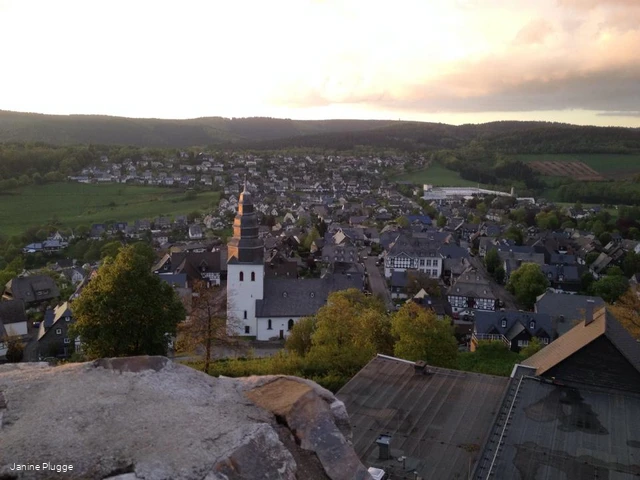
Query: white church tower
[[245, 269]]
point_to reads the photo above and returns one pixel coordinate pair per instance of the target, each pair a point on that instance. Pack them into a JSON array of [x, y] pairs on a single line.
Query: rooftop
[[560, 432], [438, 420]]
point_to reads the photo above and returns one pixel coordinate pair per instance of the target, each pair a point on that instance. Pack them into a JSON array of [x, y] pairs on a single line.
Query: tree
[[609, 287], [442, 221], [499, 275], [299, 340], [631, 263], [110, 249], [15, 349], [586, 280], [535, 345], [350, 329], [402, 221], [206, 323], [417, 280], [591, 257], [126, 310], [627, 311], [421, 336], [515, 234], [492, 260], [527, 283]]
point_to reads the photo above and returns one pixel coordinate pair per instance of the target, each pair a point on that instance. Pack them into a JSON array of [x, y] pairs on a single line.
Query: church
[[263, 307]]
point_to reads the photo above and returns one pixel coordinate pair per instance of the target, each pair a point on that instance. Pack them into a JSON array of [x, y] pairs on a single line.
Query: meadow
[[614, 165], [435, 175], [74, 204]]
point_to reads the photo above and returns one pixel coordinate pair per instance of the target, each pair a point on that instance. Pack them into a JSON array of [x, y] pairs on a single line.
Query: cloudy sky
[[452, 61]]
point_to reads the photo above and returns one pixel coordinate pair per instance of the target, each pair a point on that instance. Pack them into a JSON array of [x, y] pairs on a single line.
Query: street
[[377, 282], [499, 291]]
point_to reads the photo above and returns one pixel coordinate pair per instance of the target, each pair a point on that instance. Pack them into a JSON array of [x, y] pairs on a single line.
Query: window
[[503, 324], [242, 276], [545, 341], [435, 262], [532, 324], [290, 324], [67, 318], [245, 314], [247, 330], [422, 262], [434, 273], [523, 343], [66, 340], [428, 262], [253, 276], [58, 331], [269, 325]]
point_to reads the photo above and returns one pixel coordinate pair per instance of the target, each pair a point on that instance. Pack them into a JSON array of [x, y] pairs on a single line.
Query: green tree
[[586, 280], [417, 280], [402, 221], [15, 349], [126, 310], [442, 221], [535, 345], [299, 340], [527, 283], [110, 249], [609, 287], [515, 234], [591, 257], [421, 336], [492, 260], [499, 275], [631, 263], [350, 329]]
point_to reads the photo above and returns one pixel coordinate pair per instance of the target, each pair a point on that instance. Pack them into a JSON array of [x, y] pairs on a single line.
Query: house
[[513, 328], [563, 278], [195, 265], [571, 411], [53, 336], [471, 290], [31, 290], [566, 310], [408, 252], [399, 280], [13, 317], [513, 257], [195, 232], [345, 252], [438, 305]]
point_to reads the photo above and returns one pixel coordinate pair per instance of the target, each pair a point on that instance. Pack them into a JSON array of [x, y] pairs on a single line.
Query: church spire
[[245, 246]]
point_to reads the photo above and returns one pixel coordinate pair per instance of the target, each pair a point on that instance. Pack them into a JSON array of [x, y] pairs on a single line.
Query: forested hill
[[147, 132], [507, 137], [273, 133]]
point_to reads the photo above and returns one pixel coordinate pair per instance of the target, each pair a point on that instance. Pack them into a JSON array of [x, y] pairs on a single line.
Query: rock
[[149, 418]]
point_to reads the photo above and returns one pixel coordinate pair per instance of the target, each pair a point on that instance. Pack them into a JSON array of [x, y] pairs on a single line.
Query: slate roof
[[565, 309], [439, 420], [580, 336], [471, 284], [26, 288], [557, 432], [174, 279], [399, 278], [297, 297], [12, 311], [488, 322], [413, 247]]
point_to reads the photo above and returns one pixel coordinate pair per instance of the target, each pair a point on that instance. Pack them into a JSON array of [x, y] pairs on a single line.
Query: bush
[[15, 350]]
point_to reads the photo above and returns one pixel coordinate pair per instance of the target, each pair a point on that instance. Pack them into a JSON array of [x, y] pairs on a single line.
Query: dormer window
[[284, 294], [532, 324], [503, 323], [312, 294]]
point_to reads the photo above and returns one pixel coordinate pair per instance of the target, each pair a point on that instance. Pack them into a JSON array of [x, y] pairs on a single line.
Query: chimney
[[383, 442], [419, 366], [588, 314]]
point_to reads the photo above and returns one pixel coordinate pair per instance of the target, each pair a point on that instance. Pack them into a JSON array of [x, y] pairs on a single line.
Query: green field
[[73, 204], [614, 165], [435, 175]]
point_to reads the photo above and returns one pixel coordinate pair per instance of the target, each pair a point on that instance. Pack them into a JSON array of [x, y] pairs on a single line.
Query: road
[[377, 282]]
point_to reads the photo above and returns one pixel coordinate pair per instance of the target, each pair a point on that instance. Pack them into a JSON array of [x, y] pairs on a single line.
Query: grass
[[608, 164], [435, 175], [73, 204]]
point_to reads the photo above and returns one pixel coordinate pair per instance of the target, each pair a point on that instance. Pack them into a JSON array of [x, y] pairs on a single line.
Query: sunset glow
[[453, 61]]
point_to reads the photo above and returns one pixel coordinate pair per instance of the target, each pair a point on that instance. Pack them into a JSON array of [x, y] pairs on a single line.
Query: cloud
[[556, 61], [619, 114]]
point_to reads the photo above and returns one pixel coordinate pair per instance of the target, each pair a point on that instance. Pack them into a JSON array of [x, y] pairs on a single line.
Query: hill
[[149, 132]]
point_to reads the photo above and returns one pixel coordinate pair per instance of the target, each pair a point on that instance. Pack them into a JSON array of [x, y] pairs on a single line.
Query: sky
[[450, 61]]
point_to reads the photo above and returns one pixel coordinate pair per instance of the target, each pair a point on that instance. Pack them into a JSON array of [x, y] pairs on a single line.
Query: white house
[[415, 254]]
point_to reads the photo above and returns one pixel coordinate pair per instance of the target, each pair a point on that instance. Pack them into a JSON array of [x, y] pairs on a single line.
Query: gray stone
[[148, 418]]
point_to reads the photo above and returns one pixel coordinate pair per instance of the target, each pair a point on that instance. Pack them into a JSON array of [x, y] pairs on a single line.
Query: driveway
[[377, 282]]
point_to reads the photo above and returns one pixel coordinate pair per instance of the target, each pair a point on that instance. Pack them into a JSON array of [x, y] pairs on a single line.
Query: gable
[[598, 363]]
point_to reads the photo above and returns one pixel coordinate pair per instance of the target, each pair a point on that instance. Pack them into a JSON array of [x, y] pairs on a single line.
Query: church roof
[[297, 297]]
